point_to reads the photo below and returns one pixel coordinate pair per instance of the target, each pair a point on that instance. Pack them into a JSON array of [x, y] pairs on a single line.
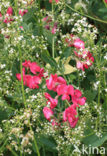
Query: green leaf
[[104, 10], [48, 143], [30, 26], [67, 52], [46, 58], [25, 26], [90, 95], [94, 140]]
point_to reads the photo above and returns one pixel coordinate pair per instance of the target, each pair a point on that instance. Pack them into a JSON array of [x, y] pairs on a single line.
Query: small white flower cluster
[[96, 84], [82, 27], [2, 66], [105, 56]]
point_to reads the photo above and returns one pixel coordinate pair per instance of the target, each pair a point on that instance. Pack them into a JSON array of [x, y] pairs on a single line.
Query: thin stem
[[105, 3], [35, 142], [53, 50], [22, 85], [20, 57], [53, 39], [13, 152], [67, 103], [96, 19]]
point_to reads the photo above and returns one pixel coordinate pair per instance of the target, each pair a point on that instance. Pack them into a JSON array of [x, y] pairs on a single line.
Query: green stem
[[13, 152], [53, 50], [67, 103], [22, 85], [96, 19], [35, 142], [105, 3], [53, 39]]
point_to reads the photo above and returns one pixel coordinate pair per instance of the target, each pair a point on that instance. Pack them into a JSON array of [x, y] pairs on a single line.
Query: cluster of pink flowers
[[8, 16], [48, 26], [29, 80], [84, 58], [68, 93], [22, 12]]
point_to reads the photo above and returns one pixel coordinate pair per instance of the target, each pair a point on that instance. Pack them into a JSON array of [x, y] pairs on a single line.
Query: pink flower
[[26, 64], [65, 91], [54, 81], [7, 20], [29, 80], [72, 121], [53, 31], [79, 44], [0, 16], [78, 93], [57, 1], [22, 12], [45, 18], [82, 101], [47, 27], [53, 102], [106, 1], [50, 1], [55, 123], [34, 67], [32, 81], [69, 115], [76, 99], [10, 11], [18, 76], [21, 27], [48, 113], [80, 65]]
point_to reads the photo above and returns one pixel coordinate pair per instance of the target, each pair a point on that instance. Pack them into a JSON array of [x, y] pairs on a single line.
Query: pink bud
[[47, 113], [10, 11]]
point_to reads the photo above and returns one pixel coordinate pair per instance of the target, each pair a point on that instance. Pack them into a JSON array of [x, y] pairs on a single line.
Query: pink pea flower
[[79, 44], [48, 113], [65, 91], [18, 76], [21, 27], [53, 82], [32, 81], [50, 1], [10, 11], [22, 12], [73, 121], [47, 27], [82, 101], [53, 31], [53, 102], [106, 1], [29, 80], [26, 64], [8, 20], [78, 93], [45, 18], [69, 115], [0, 16], [80, 65], [77, 99], [34, 67]]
